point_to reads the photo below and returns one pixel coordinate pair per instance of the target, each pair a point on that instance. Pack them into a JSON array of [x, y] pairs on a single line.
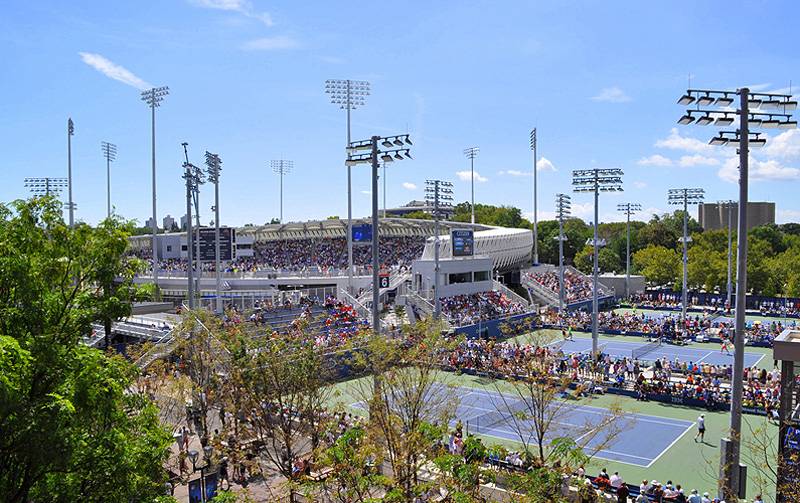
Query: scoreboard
[[463, 241]]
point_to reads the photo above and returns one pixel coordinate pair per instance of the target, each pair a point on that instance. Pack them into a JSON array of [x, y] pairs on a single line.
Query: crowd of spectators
[[577, 287], [484, 306]]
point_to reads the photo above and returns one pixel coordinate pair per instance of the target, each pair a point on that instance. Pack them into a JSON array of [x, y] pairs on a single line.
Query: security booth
[[786, 351]]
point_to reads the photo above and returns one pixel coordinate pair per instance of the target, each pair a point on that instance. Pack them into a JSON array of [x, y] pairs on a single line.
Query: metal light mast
[[349, 95], [535, 202], [729, 285], [628, 209], [46, 185], [282, 167], [213, 170], [110, 153], [438, 194], [596, 181], [685, 197], [153, 97], [563, 212], [472, 153], [70, 201]]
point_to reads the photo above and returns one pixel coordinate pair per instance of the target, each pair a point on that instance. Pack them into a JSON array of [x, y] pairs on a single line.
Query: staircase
[[394, 281]]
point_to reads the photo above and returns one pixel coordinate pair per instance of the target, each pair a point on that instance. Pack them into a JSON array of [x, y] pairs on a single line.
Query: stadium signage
[[227, 236], [362, 234], [463, 242]]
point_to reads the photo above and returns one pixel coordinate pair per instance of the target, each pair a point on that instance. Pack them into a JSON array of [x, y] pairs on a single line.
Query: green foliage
[[504, 216], [419, 215], [72, 430], [658, 264], [607, 260]]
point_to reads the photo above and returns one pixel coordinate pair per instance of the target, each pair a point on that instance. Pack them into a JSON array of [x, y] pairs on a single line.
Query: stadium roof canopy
[[337, 228]]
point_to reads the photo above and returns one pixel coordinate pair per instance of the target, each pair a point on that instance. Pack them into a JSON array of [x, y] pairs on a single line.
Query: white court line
[[705, 356], [670, 445]]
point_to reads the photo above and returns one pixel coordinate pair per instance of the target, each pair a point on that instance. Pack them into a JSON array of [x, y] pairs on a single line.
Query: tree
[[607, 260], [659, 265], [420, 215], [73, 430]]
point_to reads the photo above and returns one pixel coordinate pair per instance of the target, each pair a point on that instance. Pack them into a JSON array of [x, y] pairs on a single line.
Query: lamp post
[[194, 178], [383, 175], [348, 94], [70, 203], [45, 186], [685, 197], [387, 149], [110, 153], [213, 170], [438, 193], [596, 180], [472, 153], [282, 167], [535, 202], [729, 286], [193, 456], [769, 112], [563, 211], [628, 209], [153, 97]]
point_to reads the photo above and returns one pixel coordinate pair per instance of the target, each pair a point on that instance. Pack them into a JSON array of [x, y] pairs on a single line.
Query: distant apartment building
[[168, 222], [714, 216]]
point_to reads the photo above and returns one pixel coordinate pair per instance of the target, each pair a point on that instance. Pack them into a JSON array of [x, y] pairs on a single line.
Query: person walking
[[701, 428]]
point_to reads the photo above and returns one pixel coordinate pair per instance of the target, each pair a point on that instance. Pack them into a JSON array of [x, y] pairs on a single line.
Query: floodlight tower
[[194, 178], [628, 209], [439, 194], [110, 153], [377, 148], [729, 285], [153, 97], [70, 202], [472, 153], [596, 180], [46, 186], [769, 111], [535, 202], [685, 197], [349, 95], [563, 212], [282, 167], [213, 170]]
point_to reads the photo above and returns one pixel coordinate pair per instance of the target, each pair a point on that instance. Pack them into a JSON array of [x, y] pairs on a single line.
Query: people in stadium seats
[[470, 309], [577, 287]]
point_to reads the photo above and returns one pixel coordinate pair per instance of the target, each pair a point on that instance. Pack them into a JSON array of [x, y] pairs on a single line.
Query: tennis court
[[619, 349], [643, 440]]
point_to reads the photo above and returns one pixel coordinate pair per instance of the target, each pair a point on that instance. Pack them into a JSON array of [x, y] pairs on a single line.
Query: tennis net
[[645, 349]]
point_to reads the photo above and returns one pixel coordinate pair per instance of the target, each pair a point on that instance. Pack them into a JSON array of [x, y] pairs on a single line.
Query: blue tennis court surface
[[643, 439], [619, 349]]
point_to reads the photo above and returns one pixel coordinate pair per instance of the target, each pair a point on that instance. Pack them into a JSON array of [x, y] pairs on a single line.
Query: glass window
[[481, 275], [463, 277]]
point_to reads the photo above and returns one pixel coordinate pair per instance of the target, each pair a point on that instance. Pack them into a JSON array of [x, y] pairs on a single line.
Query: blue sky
[[598, 79]]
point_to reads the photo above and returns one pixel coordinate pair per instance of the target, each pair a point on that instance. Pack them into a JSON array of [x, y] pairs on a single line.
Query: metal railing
[[511, 294], [362, 310]]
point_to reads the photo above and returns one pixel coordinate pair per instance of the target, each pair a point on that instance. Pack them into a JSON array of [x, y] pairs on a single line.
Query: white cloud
[[758, 171], [654, 160], [612, 95], [639, 184], [688, 161], [511, 172], [677, 142], [409, 186], [648, 212], [544, 164], [786, 216], [583, 210], [464, 176], [786, 144], [243, 7], [113, 71], [366, 192], [278, 42]]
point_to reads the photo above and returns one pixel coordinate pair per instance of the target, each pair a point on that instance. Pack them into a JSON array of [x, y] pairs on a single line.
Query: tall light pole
[[348, 94], [213, 170], [387, 149], [472, 153], [563, 211], [45, 186], [769, 112], [70, 201], [535, 202], [685, 197], [628, 209], [383, 175], [110, 153], [194, 178], [153, 97], [438, 194], [282, 167], [729, 285], [596, 180]]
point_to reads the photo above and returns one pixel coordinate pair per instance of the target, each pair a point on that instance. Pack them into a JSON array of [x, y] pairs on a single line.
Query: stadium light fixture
[[596, 180], [685, 197], [282, 167], [686, 119], [472, 153], [724, 101], [729, 285], [439, 195], [153, 97], [563, 211], [723, 121], [704, 101], [110, 153], [705, 120], [213, 171], [349, 95], [45, 186], [534, 141], [686, 99], [372, 158], [628, 209]]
